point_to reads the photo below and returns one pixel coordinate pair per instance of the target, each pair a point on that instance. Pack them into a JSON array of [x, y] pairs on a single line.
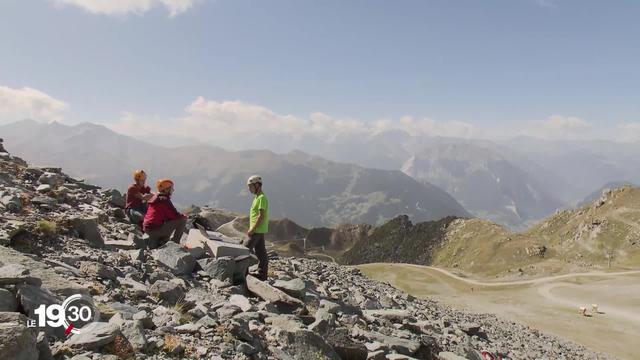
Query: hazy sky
[[551, 68]]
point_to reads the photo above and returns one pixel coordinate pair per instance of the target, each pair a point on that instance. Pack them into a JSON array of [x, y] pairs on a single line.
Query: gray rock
[[470, 328], [31, 297], [285, 322], [207, 321], [271, 294], [42, 344], [133, 330], [324, 320], [11, 203], [44, 188], [115, 198], [94, 336], [228, 311], [221, 268], [395, 315], [446, 355], [305, 344], [377, 355], [240, 330], [44, 201], [97, 270], [402, 346], [331, 307], [17, 342], [168, 292], [246, 349], [243, 263], [136, 255], [88, 230], [295, 287], [52, 179], [175, 258], [240, 301], [12, 274], [8, 301], [136, 240], [145, 318], [346, 348], [188, 328]]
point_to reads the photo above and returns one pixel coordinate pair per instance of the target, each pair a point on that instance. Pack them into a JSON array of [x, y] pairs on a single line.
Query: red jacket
[[133, 200], [160, 209]]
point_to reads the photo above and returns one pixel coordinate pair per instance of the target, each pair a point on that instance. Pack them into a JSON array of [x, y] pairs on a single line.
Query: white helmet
[[254, 179]]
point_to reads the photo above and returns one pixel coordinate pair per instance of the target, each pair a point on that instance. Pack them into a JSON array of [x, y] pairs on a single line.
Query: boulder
[[8, 301], [269, 293], [243, 263], [44, 201], [215, 248], [97, 270], [400, 345], [175, 258], [470, 329], [305, 344], [133, 330], [115, 198], [294, 287], [168, 292], [94, 336], [330, 306], [11, 203], [228, 311], [12, 274], [52, 179], [221, 268], [88, 230], [394, 315], [240, 301], [345, 347], [17, 342], [44, 188]]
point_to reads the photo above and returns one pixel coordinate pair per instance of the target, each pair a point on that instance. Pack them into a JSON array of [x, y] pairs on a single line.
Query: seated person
[[138, 194], [162, 219]]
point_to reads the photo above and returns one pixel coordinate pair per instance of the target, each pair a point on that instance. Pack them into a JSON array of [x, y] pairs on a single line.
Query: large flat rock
[[50, 279], [215, 247]]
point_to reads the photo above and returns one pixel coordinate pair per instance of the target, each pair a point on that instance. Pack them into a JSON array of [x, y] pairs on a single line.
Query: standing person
[[162, 218], [138, 194], [258, 225]]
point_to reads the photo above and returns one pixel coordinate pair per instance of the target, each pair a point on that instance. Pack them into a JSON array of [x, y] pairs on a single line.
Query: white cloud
[[124, 7], [235, 124], [18, 104], [629, 132], [558, 127]]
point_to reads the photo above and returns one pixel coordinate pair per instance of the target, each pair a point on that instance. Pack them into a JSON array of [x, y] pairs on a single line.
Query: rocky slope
[[60, 236]]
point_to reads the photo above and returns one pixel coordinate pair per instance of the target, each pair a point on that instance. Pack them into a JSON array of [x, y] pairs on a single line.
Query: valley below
[[550, 304]]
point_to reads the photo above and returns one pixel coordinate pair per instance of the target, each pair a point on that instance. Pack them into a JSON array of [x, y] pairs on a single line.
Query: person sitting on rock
[[258, 225], [138, 194], [162, 219]]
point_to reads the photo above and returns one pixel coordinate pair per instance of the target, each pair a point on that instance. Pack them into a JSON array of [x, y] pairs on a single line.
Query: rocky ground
[[60, 236]]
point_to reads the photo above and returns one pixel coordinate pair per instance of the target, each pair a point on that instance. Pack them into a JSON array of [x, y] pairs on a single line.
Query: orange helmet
[[138, 174], [163, 184]]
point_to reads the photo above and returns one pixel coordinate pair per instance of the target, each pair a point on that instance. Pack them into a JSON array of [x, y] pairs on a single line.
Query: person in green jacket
[[258, 225]]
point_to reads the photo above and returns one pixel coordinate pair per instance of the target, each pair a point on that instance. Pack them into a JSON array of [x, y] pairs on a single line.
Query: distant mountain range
[[308, 189]]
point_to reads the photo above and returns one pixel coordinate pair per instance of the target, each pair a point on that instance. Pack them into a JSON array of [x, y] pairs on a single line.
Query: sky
[[558, 69]]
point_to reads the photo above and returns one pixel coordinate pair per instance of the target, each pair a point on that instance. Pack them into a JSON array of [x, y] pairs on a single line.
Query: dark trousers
[[135, 215], [257, 245], [161, 235]]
